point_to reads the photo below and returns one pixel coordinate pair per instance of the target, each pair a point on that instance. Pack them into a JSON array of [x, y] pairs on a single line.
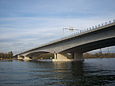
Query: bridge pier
[[60, 57], [55, 55], [78, 56]]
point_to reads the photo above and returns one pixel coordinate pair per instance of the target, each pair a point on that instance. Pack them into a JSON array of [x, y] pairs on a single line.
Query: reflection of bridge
[[77, 44]]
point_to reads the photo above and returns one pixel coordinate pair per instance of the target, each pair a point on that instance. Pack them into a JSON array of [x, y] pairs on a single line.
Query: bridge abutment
[[20, 57], [26, 58]]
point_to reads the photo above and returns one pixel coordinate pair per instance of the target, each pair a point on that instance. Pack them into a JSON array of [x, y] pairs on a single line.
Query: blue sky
[[25, 24]]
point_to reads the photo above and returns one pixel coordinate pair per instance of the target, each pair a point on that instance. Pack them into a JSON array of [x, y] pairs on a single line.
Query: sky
[[26, 24]]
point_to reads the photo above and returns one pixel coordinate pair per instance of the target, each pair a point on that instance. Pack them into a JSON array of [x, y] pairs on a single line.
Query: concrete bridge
[[95, 38]]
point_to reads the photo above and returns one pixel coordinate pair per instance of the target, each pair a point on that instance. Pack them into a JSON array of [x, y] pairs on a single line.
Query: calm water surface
[[92, 72]]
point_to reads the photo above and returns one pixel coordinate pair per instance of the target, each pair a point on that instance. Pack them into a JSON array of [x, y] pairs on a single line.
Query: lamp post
[[69, 29]]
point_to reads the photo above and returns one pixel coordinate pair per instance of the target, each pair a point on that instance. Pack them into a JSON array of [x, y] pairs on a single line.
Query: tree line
[[8, 55], [99, 55]]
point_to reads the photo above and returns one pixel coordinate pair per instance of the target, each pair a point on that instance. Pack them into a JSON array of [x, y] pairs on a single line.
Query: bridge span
[[76, 44]]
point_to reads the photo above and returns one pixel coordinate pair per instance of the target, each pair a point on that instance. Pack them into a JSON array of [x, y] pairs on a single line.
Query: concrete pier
[[60, 57], [76, 57]]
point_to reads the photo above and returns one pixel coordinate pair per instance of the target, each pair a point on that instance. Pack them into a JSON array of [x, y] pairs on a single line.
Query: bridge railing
[[90, 29]]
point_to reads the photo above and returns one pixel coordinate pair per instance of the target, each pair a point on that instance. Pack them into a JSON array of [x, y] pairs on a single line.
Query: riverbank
[[7, 59], [99, 55], [47, 57]]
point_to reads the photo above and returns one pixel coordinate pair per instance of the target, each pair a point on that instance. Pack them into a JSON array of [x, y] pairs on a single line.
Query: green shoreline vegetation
[[99, 55], [6, 56]]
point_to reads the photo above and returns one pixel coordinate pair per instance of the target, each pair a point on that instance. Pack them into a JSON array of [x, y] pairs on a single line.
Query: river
[[91, 72]]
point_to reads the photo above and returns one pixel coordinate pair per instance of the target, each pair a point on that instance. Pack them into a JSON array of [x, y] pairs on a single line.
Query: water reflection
[[75, 74], [94, 72]]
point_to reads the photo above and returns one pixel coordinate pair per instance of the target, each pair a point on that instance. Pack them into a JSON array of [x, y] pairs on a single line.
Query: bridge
[[76, 44]]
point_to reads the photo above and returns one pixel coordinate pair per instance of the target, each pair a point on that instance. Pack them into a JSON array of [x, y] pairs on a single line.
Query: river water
[[91, 72]]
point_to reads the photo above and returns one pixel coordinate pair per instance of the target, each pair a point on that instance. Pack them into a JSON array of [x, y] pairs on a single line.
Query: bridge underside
[[92, 46]]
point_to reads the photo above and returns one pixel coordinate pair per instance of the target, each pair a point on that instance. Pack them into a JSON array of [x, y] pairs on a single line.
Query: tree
[[10, 54]]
